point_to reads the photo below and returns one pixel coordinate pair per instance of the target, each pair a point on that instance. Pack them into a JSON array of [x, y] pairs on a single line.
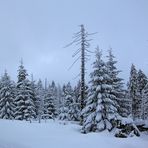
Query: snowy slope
[[54, 134]]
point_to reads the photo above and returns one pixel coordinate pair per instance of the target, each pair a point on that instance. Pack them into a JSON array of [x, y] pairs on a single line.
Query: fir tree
[[125, 105], [133, 93], [69, 111], [71, 103], [100, 110], [25, 109], [7, 95], [145, 103], [63, 113], [77, 100], [31, 100], [40, 93], [141, 83], [54, 91], [49, 108], [116, 82], [34, 94], [68, 100], [59, 99]]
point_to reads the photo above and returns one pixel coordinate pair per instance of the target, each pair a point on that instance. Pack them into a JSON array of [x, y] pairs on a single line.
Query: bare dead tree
[[81, 39]]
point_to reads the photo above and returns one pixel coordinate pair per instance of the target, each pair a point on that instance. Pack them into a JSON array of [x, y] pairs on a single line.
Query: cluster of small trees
[[28, 100], [106, 98], [25, 100]]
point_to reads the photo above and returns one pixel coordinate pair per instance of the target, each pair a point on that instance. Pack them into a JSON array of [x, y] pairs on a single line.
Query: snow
[[127, 121], [58, 134]]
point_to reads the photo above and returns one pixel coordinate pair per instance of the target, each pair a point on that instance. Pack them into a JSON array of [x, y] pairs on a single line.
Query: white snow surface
[[58, 134]]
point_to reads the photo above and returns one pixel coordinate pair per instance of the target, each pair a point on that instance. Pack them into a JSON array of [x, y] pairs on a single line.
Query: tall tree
[[125, 105], [100, 108], [59, 99], [141, 83], [145, 103], [63, 109], [40, 94], [77, 99], [133, 93], [7, 95], [81, 38], [34, 94], [25, 109], [116, 82], [54, 94], [49, 106]]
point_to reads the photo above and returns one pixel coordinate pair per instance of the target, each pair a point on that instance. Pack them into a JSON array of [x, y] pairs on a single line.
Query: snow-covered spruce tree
[[34, 94], [59, 99], [142, 80], [49, 108], [69, 110], [7, 97], [63, 110], [73, 105], [125, 105], [100, 110], [40, 93], [141, 83], [54, 91], [31, 100], [116, 82], [68, 100], [25, 108], [133, 93], [145, 103], [77, 100]]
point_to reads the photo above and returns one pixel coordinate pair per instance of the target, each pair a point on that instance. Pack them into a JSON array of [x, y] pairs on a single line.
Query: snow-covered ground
[[55, 134]]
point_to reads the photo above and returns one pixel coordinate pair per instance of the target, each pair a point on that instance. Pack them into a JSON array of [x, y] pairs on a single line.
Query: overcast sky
[[37, 31]]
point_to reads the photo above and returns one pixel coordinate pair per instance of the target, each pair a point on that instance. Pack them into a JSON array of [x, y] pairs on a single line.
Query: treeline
[[107, 102], [30, 100]]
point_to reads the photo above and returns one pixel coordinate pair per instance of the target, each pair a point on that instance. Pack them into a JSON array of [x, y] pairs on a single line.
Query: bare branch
[[76, 52], [86, 44], [90, 51], [76, 76], [92, 33], [88, 40], [74, 41], [79, 43], [74, 63], [78, 33]]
